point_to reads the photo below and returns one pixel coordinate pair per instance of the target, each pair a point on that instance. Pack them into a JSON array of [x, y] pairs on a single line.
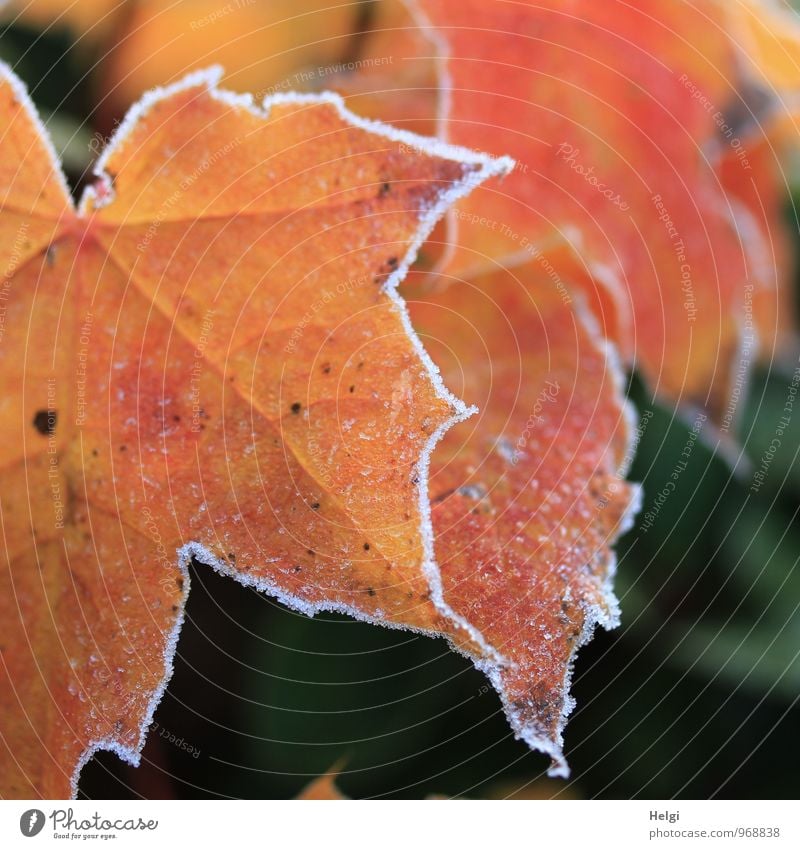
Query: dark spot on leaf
[[232, 557], [296, 407], [95, 452], [45, 422], [308, 551], [315, 505], [366, 546], [326, 368], [392, 262], [123, 447], [50, 255], [371, 592], [353, 388], [176, 418], [384, 190]]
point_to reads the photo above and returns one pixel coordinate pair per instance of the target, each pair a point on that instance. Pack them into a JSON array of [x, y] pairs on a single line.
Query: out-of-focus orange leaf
[[323, 789], [207, 359], [528, 497], [768, 35], [758, 196], [265, 46], [620, 120]]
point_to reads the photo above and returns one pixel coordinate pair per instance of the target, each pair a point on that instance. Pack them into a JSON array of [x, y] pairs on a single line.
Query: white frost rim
[[21, 92]]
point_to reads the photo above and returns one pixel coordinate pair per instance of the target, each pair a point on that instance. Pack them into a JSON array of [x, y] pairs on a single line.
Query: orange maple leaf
[[207, 358], [529, 497]]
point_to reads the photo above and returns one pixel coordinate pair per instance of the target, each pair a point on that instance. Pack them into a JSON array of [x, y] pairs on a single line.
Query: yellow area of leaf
[[768, 35]]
